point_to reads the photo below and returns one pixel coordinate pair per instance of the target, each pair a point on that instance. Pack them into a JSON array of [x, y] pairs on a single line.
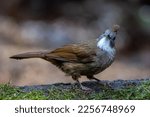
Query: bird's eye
[[109, 36]]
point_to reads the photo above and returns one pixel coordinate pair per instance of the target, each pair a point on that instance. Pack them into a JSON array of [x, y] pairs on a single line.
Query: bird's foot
[[103, 84], [82, 88]]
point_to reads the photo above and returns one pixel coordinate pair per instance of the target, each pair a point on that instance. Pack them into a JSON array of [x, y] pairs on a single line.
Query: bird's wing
[[74, 53]]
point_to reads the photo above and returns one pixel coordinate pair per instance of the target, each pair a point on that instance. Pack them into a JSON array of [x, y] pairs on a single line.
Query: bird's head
[[106, 41]]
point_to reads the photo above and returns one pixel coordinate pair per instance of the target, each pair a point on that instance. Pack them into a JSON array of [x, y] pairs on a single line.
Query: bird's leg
[[76, 78], [83, 87], [99, 81], [92, 77]]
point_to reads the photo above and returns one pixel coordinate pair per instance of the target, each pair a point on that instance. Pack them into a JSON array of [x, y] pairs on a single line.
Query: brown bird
[[79, 60]]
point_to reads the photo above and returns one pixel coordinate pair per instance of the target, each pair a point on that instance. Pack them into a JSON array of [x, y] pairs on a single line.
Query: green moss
[[8, 92], [142, 91]]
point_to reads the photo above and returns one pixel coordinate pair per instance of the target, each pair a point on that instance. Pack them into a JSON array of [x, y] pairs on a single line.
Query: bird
[[81, 59]]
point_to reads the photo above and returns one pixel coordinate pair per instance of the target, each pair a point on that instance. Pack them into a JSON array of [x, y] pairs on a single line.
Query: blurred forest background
[[32, 25]]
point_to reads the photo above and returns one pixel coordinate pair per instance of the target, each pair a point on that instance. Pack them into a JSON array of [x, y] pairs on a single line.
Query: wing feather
[[73, 53]]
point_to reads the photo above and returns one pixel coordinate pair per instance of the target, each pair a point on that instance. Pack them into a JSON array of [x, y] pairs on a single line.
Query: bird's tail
[[28, 55]]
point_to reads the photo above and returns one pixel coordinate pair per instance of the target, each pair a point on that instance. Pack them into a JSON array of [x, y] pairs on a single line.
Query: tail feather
[[28, 55]]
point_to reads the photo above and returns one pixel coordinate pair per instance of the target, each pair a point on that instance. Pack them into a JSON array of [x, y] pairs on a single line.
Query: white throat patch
[[104, 44]]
